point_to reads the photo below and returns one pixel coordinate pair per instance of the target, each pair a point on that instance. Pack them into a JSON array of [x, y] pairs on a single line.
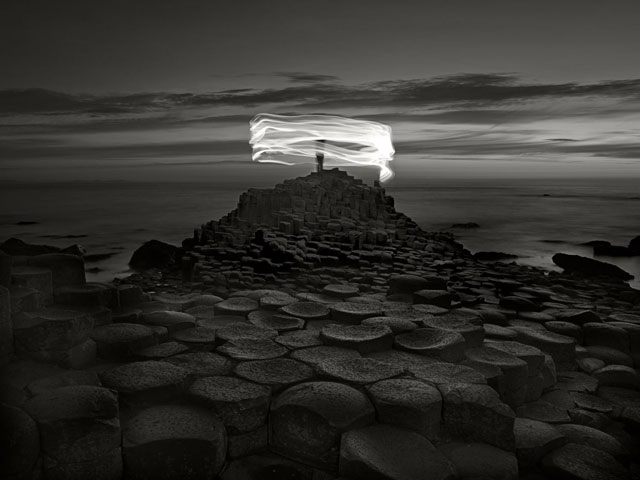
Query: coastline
[[314, 293]]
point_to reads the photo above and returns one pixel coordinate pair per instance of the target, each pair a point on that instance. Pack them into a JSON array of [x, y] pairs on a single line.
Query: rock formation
[[312, 333]]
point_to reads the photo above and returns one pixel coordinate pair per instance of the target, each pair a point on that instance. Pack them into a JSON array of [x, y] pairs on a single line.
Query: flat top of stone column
[[338, 403]]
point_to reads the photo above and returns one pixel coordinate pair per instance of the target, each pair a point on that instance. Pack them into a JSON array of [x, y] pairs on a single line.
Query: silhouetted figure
[[320, 155]]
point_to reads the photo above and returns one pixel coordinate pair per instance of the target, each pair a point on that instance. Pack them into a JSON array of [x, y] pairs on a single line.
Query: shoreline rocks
[[589, 267]]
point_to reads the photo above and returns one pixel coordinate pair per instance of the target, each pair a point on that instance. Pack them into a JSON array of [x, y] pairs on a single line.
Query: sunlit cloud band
[[347, 142]]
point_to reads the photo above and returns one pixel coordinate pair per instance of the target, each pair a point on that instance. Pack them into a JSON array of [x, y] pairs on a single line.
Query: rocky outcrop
[[319, 221], [393, 358], [589, 267], [153, 254]]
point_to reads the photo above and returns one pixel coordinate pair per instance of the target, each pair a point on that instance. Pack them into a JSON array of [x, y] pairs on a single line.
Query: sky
[[164, 89]]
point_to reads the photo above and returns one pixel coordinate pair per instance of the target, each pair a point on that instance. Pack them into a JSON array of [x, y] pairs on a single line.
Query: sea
[[530, 218]]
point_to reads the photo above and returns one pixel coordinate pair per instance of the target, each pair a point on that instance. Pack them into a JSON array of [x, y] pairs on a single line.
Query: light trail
[[347, 141]]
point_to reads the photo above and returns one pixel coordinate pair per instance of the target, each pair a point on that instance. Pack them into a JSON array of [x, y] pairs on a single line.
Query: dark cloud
[[470, 90], [303, 77], [462, 116], [477, 145], [57, 149]]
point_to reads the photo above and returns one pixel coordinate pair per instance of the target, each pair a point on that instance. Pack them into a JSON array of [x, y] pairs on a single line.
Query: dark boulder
[[604, 248], [15, 247], [153, 254], [596, 243], [589, 267], [612, 251]]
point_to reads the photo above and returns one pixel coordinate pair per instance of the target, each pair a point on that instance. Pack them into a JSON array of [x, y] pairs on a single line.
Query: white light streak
[[360, 142]]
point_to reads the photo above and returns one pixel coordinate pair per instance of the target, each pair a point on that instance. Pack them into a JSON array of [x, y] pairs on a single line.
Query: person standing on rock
[[320, 155]]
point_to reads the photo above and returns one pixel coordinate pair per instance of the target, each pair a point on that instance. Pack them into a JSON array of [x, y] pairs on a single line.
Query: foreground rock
[[408, 404], [173, 441], [307, 421], [589, 267], [153, 254], [474, 413], [373, 452], [583, 462], [79, 431]]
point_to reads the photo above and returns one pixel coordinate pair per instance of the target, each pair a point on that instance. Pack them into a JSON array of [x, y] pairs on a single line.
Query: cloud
[[168, 148], [470, 116], [303, 77], [321, 91]]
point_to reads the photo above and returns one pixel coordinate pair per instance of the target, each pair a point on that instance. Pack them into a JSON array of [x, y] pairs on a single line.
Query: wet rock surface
[[318, 332]]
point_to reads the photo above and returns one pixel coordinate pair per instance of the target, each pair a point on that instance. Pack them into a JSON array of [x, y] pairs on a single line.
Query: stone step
[[66, 269], [24, 299], [6, 326], [90, 294], [35, 278], [56, 336]]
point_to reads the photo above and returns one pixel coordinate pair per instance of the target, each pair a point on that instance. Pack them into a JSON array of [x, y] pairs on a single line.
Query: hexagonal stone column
[[358, 371], [252, 349], [202, 364], [66, 269], [307, 421], [277, 373], [242, 405], [79, 432], [90, 294], [37, 278], [437, 373], [275, 321], [146, 382], [606, 335], [50, 335], [173, 441], [408, 283], [20, 433], [432, 342], [439, 298], [240, 306], [363, 338], [314, 356], [534, 439], [479, 460], [340, 290], [122, 340], [407, 403], [172, 321], [306, 310], [474, 413], [513, 382], [6, 326], [397, 324], [560, 347], [354, 312], [386, 452], [473, 334], [581, 461]]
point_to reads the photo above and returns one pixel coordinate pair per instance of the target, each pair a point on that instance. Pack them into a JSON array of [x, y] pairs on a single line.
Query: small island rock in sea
[[316, 332]]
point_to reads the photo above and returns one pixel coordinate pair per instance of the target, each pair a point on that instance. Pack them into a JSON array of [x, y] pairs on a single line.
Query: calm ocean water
[[533, 219]]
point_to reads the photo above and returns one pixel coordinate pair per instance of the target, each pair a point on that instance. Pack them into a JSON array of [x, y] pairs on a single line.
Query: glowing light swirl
[[360, 142]]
